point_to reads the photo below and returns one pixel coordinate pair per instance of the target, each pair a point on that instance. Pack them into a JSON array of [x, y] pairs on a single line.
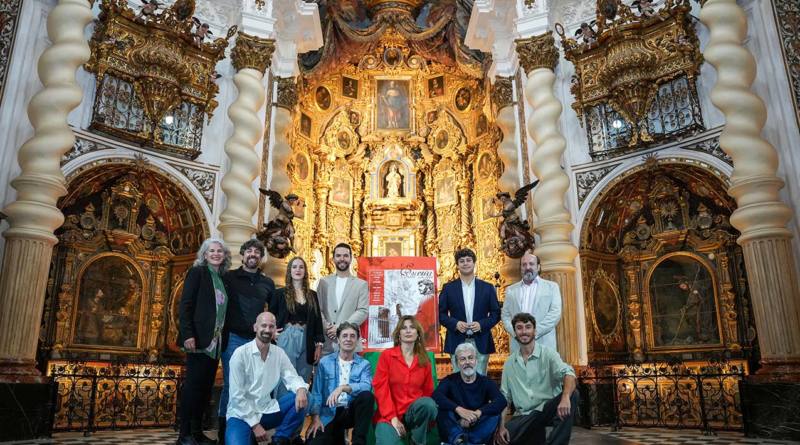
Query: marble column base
[[26, 410], [770, 409]]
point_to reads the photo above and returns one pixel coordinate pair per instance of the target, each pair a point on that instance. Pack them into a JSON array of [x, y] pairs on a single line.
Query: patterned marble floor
[[580, 436]]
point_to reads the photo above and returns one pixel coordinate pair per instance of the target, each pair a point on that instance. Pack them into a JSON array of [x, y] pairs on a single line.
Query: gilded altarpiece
[[662, 273], [129, 236]]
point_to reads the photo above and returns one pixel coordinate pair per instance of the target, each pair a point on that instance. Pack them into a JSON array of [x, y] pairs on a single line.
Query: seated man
[[341, 397], [256, 367], [533, 378], [469, 403]]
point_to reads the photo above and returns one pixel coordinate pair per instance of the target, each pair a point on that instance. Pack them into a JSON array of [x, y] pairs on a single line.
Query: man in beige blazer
[[536, 296], [342, 297]]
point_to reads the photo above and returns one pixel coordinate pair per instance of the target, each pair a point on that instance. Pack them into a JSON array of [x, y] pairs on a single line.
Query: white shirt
[[252, 380], [339, 294], [344, 379], [468, 290], [528, 293]]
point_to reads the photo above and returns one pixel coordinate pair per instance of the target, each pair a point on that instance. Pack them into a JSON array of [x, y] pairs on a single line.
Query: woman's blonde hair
[[419, 345]]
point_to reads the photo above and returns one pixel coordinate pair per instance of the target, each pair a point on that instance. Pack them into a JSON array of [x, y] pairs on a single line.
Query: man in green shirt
[[540, 387]]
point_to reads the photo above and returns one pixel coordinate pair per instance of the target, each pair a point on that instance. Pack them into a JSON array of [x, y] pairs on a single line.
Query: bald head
[[529, 267], [264, 328]]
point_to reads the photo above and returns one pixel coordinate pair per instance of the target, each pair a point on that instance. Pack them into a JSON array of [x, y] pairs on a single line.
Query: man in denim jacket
[[340, 396]]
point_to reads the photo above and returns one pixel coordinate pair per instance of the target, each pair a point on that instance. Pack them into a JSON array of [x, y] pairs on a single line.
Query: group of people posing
[[272, 341]]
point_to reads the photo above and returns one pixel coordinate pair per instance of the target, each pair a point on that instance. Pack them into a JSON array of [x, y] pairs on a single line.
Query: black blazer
[[197, 313], [314, 332], [485, 311]]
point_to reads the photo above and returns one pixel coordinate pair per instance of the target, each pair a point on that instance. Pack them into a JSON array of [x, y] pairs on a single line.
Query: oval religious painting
[[343, 139], [463, 98], [606, 307], [323, 98], [301, 163], [442, 138]]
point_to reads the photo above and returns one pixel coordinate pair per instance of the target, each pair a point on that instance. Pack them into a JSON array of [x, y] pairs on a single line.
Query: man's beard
[[526, 343], [529, 275], [342, 266], [265, 337], [469, 372], [252, 260]]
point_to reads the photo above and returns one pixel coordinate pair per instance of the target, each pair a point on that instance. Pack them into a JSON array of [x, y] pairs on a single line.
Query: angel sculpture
[[201, 31], [149, 8], [278, 234], [515, 234], [587, 33], [646, 8]]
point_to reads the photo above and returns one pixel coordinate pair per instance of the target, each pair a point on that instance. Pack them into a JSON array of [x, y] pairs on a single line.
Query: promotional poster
[[399, 286]]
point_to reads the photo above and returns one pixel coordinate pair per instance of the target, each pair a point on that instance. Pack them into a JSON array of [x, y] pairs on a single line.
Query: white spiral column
[[33, 217], [538, 57], [761, 216], [250, 57]]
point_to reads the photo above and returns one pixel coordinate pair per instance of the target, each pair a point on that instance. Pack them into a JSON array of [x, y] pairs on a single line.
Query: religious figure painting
[[305, 125], [343, 139], [341, 191], [393, 104], [349, 87], [392, 56], [323, 98], [436, 87], [109, 303], [445, 191], [605, 307], [301, 164], [683, 304], [393, 181], [463, 98], [482, 125], [488, 208], [393, 249], [484, 166]]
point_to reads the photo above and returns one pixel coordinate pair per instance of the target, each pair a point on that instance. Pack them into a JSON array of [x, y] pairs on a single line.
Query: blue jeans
[[480, 432], [287, 421], [293, 342], [233, 342]]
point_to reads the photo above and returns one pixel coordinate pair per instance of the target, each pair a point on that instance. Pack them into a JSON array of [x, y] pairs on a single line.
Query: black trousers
[[530, 429], [357, 415], [198, 383]]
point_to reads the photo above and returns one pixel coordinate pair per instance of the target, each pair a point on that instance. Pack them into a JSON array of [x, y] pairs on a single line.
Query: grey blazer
[[546, 311], [353, 307]]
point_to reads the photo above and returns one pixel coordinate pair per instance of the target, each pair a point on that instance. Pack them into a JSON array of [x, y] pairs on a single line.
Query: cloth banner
[[399, 286]]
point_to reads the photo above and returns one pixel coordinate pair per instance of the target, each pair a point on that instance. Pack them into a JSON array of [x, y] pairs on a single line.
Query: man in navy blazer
[[468, 309]]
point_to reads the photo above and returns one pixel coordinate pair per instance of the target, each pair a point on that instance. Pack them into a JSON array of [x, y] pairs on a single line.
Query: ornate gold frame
[[648, 312], [600, 275], [412, 100]]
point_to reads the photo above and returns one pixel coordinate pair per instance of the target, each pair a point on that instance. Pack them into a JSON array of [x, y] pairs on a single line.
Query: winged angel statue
[[515, 234], [278, 234]]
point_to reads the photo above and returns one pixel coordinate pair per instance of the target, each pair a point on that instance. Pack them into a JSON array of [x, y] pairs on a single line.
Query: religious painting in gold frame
[[682, 303], [394, 104], [393, 244], [305, 125], [445, 191], [342, 191], [435, 87], [108, 312], [488, 208], [349, 87]]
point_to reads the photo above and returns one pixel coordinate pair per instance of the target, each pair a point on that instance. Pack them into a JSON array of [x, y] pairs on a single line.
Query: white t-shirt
[[344, 379], [339, 294]]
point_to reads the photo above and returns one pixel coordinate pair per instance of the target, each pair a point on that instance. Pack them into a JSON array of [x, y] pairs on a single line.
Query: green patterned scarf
[[214, 348]]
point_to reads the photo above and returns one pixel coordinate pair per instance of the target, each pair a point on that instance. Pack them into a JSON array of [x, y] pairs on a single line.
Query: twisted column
[[34, 216], [250, 57], [761, 216], [355, 223], [556, 252]]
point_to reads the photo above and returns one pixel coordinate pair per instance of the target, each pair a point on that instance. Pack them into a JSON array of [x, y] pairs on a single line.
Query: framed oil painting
[[394, 104], [683, 303], [342, 191], [349, 87], [305, 125], [108, 312], [444, 191], [436, 87]]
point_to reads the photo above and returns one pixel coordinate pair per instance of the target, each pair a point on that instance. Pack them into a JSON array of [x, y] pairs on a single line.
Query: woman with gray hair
[[201, 315]]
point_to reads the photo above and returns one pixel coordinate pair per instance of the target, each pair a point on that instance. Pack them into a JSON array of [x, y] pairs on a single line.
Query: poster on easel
[[399, 286]]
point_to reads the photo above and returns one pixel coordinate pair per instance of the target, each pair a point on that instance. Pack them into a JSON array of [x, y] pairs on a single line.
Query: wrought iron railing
[[99, 396], [668, 395]]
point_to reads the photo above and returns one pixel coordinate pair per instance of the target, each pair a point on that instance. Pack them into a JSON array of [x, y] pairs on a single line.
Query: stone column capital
[[537, 52], [252, 52]]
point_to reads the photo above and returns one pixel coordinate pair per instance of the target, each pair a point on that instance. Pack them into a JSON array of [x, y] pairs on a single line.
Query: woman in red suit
[[403, 394]]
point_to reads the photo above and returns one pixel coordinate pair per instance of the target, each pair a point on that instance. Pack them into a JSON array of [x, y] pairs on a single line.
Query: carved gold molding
[[252, 52], [537, 52]]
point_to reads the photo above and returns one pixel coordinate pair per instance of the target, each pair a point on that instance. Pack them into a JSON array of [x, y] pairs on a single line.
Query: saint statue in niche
[[393, 110], [394, 183]]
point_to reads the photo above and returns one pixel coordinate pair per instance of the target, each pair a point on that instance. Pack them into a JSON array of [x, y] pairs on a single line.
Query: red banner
[[399, 286]]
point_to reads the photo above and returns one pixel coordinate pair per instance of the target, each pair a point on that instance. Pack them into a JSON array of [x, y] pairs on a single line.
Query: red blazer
[[395, 390]]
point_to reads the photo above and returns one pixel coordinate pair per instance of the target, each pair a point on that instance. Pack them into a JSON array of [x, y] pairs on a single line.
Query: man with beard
[[249, 291], [342, 397], [468, 308], [469, 404], [256, 368], [536, 296], [342, 297], [540, 387]]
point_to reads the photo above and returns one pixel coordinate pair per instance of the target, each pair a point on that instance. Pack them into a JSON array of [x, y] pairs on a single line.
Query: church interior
[[661, 135]]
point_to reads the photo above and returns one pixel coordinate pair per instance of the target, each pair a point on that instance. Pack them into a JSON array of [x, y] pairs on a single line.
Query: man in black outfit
[[249, 292]]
